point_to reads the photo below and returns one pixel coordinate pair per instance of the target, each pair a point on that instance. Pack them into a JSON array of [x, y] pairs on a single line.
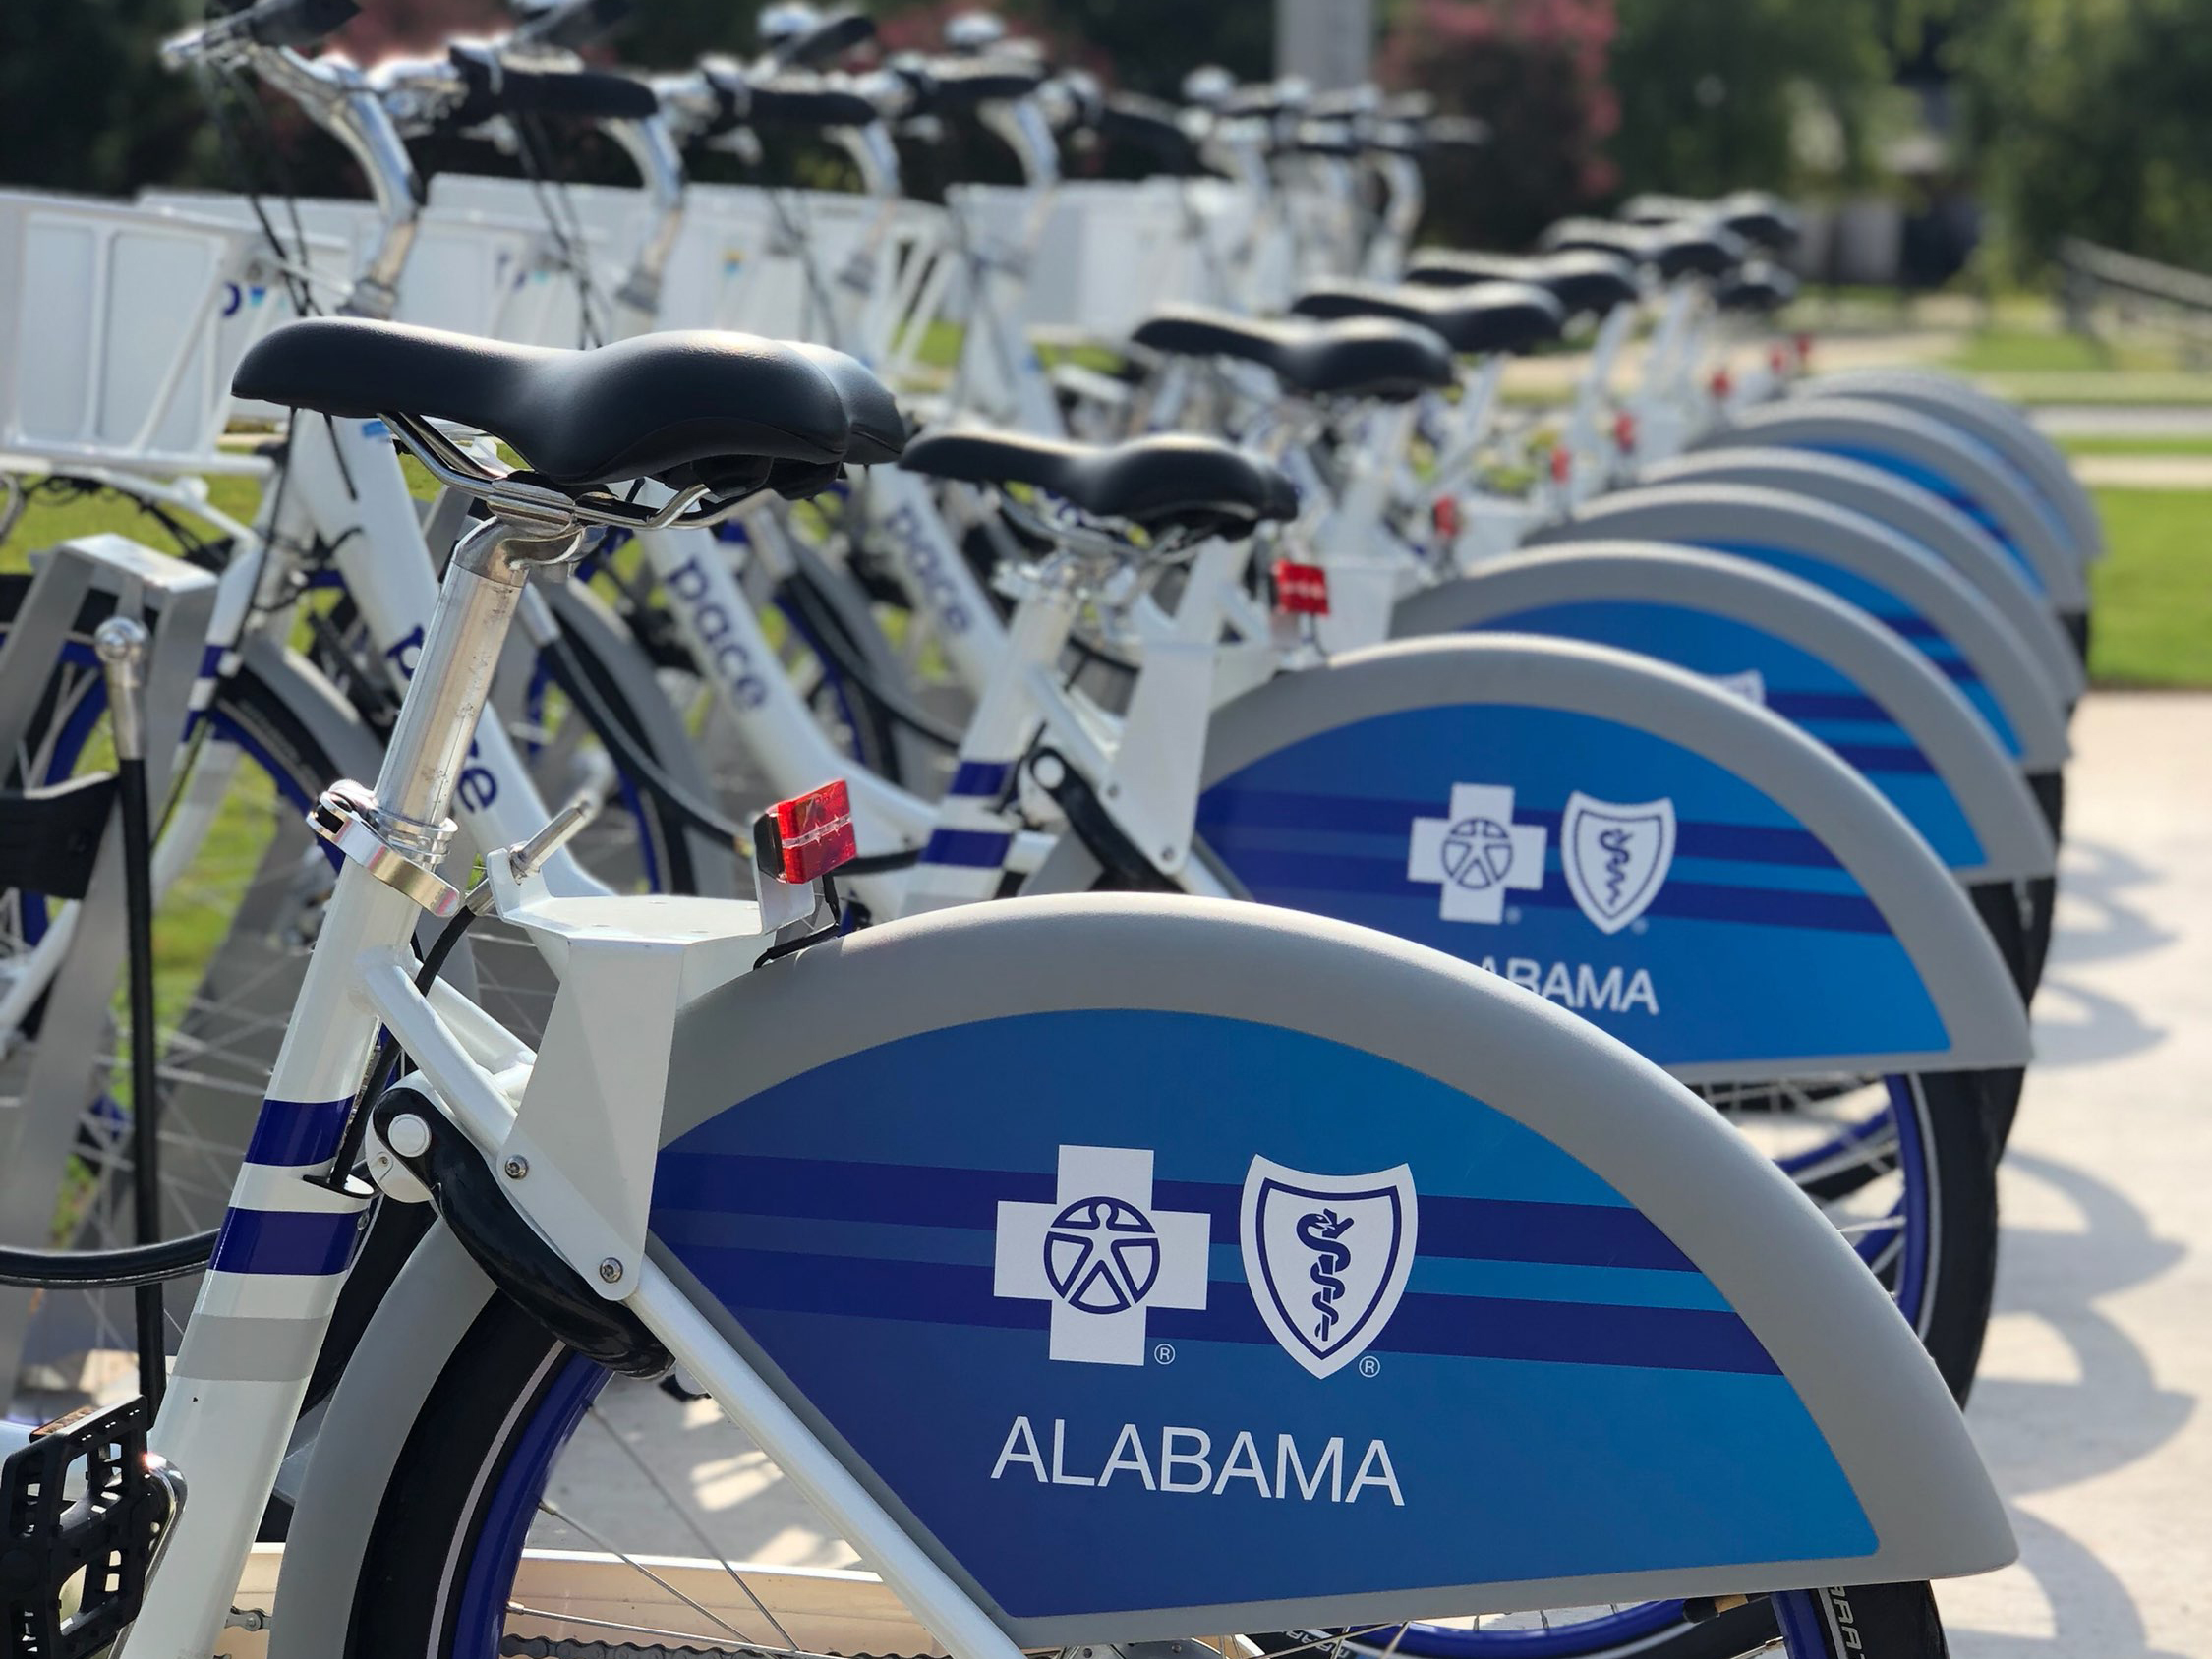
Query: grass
[[2047, 351], [2147, 445], [2153, 596]]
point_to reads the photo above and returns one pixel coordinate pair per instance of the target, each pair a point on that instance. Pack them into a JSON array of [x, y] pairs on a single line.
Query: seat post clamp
[[347, 818]]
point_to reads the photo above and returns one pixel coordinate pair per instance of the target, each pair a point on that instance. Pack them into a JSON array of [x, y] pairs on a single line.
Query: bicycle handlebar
[[493, 88], [574, 24], [823, 44], [267, 22]]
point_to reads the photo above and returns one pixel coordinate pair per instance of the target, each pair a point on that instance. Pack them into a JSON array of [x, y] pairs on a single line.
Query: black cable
[[825, 635], [145, 1099], [144, 1265], [384, 1064], [568, 676]]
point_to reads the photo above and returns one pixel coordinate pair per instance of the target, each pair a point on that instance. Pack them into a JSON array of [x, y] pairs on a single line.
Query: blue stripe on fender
[[974, 848], [301, 1243], [987, 778], [914, 1195], [1266, 873], [1242, 807], [1472, 1326], [296, 1134]]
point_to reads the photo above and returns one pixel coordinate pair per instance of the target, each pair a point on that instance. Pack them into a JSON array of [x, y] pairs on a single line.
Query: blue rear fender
[[1627, 839], [1169, 1265]]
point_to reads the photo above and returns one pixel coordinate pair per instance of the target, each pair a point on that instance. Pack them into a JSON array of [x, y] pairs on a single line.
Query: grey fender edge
[[1699, 514], [1911, 511], [1925, 908], [1863, 422], [2016, 840], [2003, 425]]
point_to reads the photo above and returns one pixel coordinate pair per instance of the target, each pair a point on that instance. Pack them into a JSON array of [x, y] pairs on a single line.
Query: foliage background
[[2063, 116]]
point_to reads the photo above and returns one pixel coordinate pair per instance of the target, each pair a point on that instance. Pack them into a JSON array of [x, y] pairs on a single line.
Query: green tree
[[2089, 119], [84, 103], [1711, 90], [1534, 72]]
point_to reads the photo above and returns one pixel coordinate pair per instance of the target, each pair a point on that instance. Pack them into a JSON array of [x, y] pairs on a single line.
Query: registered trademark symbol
[[1639, 926], [1164, 1353], [1370, 1366], [1513, 913]]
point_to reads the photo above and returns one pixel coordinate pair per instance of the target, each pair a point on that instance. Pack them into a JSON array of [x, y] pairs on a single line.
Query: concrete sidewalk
[[2089, 1404]]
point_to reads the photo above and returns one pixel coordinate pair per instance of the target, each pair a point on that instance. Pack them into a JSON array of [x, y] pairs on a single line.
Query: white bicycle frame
[[267, 1303]]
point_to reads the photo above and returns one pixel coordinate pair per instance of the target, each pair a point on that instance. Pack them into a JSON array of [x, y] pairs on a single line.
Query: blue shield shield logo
[[1326, 1257], [1615, 857]]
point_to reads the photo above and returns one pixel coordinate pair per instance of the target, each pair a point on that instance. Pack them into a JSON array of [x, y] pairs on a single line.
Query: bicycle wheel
[[482, 1480]]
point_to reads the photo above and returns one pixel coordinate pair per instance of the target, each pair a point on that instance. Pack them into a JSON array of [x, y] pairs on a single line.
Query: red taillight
[[1779, 360], [1624, 433], [1804, 351], [1444, 515], [1300, 590], [1722, 384], [807, 836], [1562, 464]]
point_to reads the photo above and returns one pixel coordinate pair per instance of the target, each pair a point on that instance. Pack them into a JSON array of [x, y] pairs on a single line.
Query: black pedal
[[49, 1529]]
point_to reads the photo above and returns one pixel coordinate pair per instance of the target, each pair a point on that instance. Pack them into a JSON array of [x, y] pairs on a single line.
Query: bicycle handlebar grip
[[826, 42], [295, 23], [588, 94], [575, 24]]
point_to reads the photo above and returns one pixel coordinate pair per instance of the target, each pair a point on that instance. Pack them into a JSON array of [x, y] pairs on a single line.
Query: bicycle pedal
[[82, 1509]]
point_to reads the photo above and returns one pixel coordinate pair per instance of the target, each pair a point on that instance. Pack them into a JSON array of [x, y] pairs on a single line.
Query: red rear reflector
[[1624, 433], [807, 836], [1300, 590], [1722, 383], [1804, 351], [1562, 464], [1779, 360], [1445, 516]]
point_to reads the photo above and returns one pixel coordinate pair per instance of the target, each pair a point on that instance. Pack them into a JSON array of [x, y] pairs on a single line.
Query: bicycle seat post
[[437, 725]]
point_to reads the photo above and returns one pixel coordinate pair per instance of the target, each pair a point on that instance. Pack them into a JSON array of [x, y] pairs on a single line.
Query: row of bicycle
[[1066, 1253]]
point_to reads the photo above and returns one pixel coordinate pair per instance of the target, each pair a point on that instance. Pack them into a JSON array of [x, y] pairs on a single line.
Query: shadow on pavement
[[2098, 925], [2078, 1026], [2038, 1435], [2091, 1614]]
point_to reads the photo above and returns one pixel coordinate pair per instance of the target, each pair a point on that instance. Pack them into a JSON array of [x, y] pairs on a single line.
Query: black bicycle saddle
[[1356, 358], [1485, 317], [1160, 483], [1581, 279], [645, 408]]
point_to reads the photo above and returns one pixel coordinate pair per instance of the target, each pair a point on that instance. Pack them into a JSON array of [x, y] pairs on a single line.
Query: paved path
[[2089, 1408], [2144, 472], [2090, 420]]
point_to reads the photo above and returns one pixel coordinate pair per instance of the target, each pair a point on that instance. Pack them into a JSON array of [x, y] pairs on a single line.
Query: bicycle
[[546, 1175]]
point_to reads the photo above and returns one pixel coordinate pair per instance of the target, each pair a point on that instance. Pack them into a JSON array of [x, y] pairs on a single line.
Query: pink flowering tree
[[1535, 71]]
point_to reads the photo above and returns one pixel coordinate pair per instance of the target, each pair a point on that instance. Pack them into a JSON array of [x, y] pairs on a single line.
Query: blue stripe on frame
[[972, 848], [986, 778], [298, 1243], [296, 1134], [1665, 1339]]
